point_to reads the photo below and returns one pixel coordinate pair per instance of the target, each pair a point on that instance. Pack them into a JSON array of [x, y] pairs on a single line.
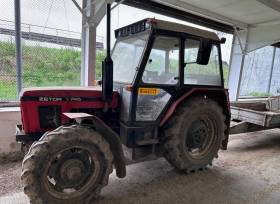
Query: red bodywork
[[67, 98], [218, 94]]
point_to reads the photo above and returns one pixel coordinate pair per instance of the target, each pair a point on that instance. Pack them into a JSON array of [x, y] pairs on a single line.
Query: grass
[[7, 91], [260, 94], [42, 66]]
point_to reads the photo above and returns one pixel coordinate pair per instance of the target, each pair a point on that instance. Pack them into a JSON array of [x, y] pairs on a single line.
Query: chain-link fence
[[44, 64], [51, 51], [7, 68]]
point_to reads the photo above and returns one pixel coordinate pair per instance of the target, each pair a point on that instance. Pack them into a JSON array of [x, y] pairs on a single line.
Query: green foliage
[[7, 49], [7, 90], [100, 56], [226, 73], [42, 66], [260, 94]]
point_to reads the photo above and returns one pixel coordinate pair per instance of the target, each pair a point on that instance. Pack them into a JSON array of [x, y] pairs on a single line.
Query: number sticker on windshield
[[148, 91]]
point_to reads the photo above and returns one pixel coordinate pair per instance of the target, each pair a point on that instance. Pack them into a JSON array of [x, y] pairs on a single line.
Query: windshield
[[126, 56]]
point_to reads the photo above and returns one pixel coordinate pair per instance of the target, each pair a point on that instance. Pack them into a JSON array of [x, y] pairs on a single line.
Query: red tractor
[[164, 97]]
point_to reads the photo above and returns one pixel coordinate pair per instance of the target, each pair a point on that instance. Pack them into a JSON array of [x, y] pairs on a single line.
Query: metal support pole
[[237, 60], [18, 46], [88, 46], [271, 70], [83, 47], [242, 64]]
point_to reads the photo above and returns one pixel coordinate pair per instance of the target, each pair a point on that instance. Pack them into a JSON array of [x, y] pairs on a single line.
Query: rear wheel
[[192, 137], [68, 165]]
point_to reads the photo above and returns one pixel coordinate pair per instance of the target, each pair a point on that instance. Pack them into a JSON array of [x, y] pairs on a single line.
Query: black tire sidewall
[[184, 128], [41, 152], [173, 143], [76, 142]]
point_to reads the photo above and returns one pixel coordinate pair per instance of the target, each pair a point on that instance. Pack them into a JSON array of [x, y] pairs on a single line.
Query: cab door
[[159, 79]]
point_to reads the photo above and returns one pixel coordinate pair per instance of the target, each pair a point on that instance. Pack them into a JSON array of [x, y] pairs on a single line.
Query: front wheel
[[193, 136], [68, 165]]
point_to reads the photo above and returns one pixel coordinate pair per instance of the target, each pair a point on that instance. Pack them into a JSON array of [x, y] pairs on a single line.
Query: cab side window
[[197, 74], [163, 63]]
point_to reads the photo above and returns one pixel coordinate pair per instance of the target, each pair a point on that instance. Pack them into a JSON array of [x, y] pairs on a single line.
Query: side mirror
[[204, 52]]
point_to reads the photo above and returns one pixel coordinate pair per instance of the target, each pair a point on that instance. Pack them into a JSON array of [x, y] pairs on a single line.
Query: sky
[[62, 14]]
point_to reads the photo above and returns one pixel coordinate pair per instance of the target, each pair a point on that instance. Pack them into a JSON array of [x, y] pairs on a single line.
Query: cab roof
[[148, 23], [177, 27]]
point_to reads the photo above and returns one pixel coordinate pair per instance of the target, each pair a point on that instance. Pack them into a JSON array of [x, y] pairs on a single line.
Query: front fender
[[111, 137]]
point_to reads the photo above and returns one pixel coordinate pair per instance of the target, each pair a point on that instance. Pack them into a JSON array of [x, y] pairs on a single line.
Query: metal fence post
[[18, 46], [271, 70]]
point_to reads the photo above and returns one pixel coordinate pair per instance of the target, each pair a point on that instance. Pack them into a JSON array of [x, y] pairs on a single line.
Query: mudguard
[[111, 137], [218, 94]]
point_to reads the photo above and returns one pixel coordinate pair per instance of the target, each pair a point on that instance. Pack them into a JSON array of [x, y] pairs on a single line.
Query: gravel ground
[[248, 172], [10, 178]]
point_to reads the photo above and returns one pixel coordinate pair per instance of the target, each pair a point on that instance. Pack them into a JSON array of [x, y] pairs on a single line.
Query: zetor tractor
[[165, 96]]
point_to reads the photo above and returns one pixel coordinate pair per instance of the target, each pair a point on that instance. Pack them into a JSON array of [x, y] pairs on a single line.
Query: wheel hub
[[72, 170], [198, 134]]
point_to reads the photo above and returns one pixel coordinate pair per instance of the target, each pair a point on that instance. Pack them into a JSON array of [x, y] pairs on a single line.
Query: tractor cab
[[155, 63]]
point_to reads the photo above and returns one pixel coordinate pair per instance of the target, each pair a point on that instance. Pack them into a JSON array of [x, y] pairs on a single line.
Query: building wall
[[9, 148]]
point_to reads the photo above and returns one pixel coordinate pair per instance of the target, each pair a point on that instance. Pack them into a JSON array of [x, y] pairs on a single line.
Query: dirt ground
[[248, 172], [10, 178]]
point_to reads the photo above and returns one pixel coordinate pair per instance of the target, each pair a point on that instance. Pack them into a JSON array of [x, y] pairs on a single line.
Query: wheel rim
[[201, 136], [71, 172]]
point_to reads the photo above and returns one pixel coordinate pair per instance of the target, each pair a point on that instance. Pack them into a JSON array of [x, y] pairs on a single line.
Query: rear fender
[[111, 137], [217, 94]]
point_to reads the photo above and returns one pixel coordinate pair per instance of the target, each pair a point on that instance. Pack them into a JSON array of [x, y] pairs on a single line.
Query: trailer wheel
[[68, 165], [193, 136]]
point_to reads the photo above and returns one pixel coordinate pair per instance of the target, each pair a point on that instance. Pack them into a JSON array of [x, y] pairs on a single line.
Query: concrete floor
[[247, 173]]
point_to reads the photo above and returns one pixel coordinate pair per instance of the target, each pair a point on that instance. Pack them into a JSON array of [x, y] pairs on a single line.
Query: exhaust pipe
[[107, 64]]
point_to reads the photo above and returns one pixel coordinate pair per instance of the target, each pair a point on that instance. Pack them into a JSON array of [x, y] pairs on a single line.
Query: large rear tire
[[193, 136], [68, 165]]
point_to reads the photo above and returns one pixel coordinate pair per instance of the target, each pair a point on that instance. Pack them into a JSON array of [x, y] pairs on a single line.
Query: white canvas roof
[[166, 25], [261, 18]]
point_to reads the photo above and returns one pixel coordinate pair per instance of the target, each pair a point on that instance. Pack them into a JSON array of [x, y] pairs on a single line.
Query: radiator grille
[[50, 117]]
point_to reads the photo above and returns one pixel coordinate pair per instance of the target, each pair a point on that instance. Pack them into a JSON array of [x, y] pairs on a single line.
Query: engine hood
[[62, 91], [56, 94]]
